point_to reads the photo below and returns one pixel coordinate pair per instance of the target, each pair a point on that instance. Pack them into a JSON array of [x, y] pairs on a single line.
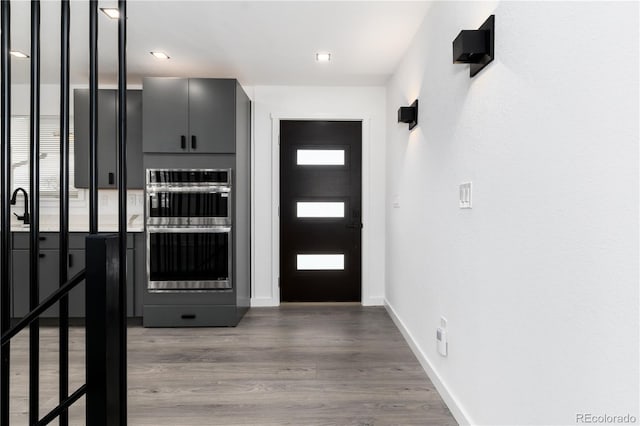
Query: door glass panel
[[320, 209], [320, 157], [318, 262]]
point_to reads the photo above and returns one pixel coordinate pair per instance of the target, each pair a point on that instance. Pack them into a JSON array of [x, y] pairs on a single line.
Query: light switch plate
[[465, 195], [442, 342]]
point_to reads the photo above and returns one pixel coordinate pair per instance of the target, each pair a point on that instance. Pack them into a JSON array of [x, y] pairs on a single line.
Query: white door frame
[[366, 197]]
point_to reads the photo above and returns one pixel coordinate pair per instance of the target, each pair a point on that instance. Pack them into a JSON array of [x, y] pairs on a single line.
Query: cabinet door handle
[[188, 316], [42, 238], [70, 260], [41, 255], [183, 142], [193, 142], [111, 178]]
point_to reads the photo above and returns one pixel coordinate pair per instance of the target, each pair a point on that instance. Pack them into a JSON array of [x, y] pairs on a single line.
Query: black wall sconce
[[475, 47], [409, 115]]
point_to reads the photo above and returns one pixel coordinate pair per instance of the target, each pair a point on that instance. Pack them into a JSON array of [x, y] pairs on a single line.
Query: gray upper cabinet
[[194, 115], [165, 116], [107, 138], [212, 115]]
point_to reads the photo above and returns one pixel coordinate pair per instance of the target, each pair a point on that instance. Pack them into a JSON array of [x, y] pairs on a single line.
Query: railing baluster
[[34, 230], [122, 197], [63, 363], [93, 116], [5, 216]]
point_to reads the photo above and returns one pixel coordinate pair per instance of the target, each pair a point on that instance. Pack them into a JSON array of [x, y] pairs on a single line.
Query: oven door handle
[[189, 189], [191, 229]]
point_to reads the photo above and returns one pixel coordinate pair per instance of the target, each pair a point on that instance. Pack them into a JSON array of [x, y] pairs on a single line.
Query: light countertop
[[106, 223]]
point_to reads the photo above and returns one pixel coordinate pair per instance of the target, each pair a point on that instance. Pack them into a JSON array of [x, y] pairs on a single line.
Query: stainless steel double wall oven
[[189, 222]]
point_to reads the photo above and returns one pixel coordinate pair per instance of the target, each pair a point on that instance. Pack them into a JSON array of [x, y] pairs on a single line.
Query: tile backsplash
[[79, 208]]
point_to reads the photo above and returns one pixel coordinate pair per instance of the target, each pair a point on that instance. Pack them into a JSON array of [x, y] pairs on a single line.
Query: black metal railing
[[105, 274], [34, 314]]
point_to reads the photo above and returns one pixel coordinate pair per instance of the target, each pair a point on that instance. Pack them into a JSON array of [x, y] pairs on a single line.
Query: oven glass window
[[188, 256], [189, 204]]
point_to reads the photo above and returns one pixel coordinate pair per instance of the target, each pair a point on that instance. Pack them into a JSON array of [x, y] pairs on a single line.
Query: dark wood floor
[[293, 365]]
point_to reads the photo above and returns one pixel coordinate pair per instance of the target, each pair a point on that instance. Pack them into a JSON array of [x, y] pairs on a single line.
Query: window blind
[[49, 156]]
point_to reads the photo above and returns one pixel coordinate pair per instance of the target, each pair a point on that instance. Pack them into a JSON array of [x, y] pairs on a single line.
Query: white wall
[[273, 102], [539, 281]]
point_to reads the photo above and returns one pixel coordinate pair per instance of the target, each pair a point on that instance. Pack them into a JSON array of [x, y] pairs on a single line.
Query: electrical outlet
[[465, 195]]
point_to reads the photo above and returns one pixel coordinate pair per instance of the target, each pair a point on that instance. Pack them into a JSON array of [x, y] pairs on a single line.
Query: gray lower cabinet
[[107, 138], [189, 115], [20, 280], [49, 266]]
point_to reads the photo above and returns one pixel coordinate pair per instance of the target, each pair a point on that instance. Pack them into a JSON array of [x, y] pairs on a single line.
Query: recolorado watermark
[[605, 419]]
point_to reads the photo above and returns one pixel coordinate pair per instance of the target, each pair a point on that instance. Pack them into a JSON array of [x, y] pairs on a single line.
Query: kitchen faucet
[[25, 217]]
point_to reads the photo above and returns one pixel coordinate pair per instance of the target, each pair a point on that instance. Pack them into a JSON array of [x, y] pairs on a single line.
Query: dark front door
[[320, 211]]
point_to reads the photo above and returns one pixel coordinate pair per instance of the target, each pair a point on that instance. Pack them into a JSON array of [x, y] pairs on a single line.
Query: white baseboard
[[373, 301], [261, 302], [454, 406]]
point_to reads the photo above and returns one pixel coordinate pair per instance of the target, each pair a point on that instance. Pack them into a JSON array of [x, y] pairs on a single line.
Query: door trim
[[367, 231]]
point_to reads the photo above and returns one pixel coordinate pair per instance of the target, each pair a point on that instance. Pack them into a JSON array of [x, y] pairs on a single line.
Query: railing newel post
[[103, 343]]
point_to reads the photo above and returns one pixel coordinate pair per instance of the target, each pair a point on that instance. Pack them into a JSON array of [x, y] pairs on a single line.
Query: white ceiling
[[258, 42]]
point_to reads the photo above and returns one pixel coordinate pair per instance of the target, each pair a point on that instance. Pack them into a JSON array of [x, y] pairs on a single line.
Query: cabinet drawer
[[190, 316], [50, 240]]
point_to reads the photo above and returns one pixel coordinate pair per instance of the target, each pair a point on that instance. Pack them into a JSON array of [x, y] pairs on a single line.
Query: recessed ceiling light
[[160, 55], [111, 12], [323, 57], [18, 54]]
